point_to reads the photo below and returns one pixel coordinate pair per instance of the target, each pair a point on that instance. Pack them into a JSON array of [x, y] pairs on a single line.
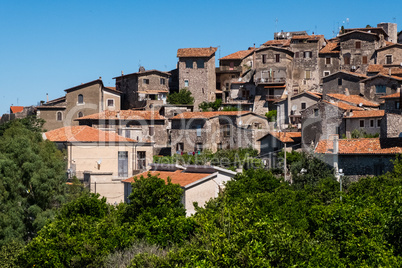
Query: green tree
[[207, 106], [181, 97], [271, 115]]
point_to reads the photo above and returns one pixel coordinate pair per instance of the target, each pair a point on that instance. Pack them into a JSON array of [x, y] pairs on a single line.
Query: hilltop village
[[338, 98]]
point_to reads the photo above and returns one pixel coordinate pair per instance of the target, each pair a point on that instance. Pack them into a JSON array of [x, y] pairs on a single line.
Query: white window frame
[[326, 72], [78, 100], [186, 83], [57, 118], [107, 102], [389, 55]]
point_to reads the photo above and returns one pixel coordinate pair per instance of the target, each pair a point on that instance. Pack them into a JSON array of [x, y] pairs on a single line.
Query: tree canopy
[[181, 97]]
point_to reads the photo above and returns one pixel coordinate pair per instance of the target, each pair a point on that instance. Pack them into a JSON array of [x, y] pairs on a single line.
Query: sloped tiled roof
[[286, 136], [239, 55], [366, 114], [277, 42], [83, 134], [146, 72], [124, 115], [308, 37], [344, 106], [207, 115], [196, 52], [315, 94], [331, 48], [382, 75], [355, 99], [361, 146], [177, 177], [376, 68], [392, 96], [16, 109]]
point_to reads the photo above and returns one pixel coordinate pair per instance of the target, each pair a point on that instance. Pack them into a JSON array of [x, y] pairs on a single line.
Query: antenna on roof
[[276, 24]]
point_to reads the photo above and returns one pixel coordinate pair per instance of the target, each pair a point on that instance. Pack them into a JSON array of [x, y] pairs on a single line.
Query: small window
[[198, 147], [162, 81], [151, 131], [198, 130], [371, 122], [358, 44], [180, 147], [328, 60], [141, 160], [379, 89], [326, 73], [220, 146], [308, 54], [303, 105], [388, 59], [226, 130], [364, 60], [378, 122], [339, 81], [277, 57], [200, 64], [361, 123], [308, 74], [186, 83], [110, 102], [264, 58], [80, 98], [346, 59], [227, 86], [189, 64], [297, 55], [397, 105], [231, 65], [316, 112], [145, 81], [59, 116], [122, 163], [80, 114]]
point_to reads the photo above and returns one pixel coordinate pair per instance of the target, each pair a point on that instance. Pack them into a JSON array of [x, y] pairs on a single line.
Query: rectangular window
[[180, 147], [186, 83], [328, 60], [189, 64], [277, 57], [326, 73], [200, 64], [264, 58], [123, 164], [226, 130], [110, 102], [145, 81], [371, 122], [220, 146], [388, 59], [198, 147], [141, 160], [378, 122], [316, 112], [151, 131], [308, 54], [128, 133], [380, 89], [308, 74], [339, 81], [162, 81], [303, 105], [227, 86], [198, 130], [297, 55], [231, 65], [364, 60], [346, 59], [397, 103], [362, 123], [358, 44]]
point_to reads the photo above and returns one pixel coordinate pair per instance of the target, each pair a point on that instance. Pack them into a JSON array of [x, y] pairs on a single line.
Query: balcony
[[273, 97], [243, 101], [270, 80], [228, 69]]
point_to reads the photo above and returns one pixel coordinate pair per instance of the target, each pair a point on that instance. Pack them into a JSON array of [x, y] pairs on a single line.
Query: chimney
[[389, 71], [47, 98], [347, 93], [122, 73], [100, 77], [210, 49], [382, 40]]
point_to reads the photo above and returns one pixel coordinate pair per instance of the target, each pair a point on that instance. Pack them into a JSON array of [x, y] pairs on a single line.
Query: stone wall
[[391, 126], [391, 87], [396, 53], [331, 84]]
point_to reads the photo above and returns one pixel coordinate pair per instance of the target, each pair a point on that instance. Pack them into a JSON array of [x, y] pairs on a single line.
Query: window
[[264, 58], [308, 74], [123, 164], [316, 112], [110, 102], [326, 73], [346, 59], [277, 57], [308, 54], [388, 59], [378, 122], [198, 130], [141, 160], [371, 122], [162, 81], [303, 105], [186, 83], [231, 65], [358, 44], [128, 134], [380, 89], [189, 64], [364, 60], [59, 116], [80, 114], [145, 81], [151, 131], [397, 105], [198, 147], [200, 63], [297, 55], [180, 147], [220, 146], [80, 98], [226, 130], [361, 123], [227, 86], [327, 60], [339, 81]]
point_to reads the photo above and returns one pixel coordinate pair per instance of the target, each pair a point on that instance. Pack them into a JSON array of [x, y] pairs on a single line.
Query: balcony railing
[[270, 80], [273, 97]]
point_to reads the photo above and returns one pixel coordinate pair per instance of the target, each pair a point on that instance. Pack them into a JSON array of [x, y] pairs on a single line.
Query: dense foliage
[[271, 115], [208, 106], [181, 97], [231, 108]]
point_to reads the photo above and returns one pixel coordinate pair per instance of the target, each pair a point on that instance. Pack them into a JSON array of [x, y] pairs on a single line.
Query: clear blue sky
[[49, 46]]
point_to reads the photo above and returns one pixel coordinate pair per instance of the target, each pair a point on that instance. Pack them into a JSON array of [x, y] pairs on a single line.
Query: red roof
[[239, 55], [331, 48], [207, 115], [178, 177], [196, 52], [355, 99], [16, 109], [308, 37], [124, 115], [344, 106], [283, 42], [392, 96], [359, 146], [84, 134], [366, 114], [286, 136]]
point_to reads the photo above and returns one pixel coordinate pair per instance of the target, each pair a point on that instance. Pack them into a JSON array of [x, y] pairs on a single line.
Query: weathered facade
[[381, 85], [329, 61], [342, 82], [391, 125]]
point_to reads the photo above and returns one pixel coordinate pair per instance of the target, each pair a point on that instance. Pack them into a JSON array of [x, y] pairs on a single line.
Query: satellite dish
[[294, 107], [360, 104]]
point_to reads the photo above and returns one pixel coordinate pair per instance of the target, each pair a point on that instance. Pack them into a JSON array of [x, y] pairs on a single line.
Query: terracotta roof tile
[[286, 136], [124, 115], [276, 42], [396, 95], [376, 68], [344, 106], [207, 115], [361, 146], [308, 37], [177, 177], [16, 109], [196, 52], [83, 134], [239, 55], [355, 99], [315, 94], [382, 75], [366, 114], [331, 48]]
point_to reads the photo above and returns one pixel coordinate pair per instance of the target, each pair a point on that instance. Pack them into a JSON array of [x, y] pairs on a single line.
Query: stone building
[[17, 112], [193, 132], [390, 55], [343, 82], [142, 126], [368, 121], [392, 103], [391, 30], [101, 159], [391, 125], [85, 99], [145, 89], [329, 61], [380, 85], [197, 73]]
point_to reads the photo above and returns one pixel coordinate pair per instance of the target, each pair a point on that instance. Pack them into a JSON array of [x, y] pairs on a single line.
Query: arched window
[[59, 116], [80, 98], [80, 114]]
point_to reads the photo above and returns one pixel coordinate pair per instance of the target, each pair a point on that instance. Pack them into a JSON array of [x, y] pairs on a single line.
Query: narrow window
[[198, 130], [80, 98], [339, 81], [141, 160], [59, 116], [361, 123], [162, 81], [264, 58], [277, 57], [297, 55], [180, 147], [346, 59], [200, 63], [110, 102], [378, 122], [358, 44], [80, 114], [389, 59], [364, 60], [189, 64], [227, 86], [327, 60], [303, 105], [316, 112], [186, 83], [308, 74], [371, 122], [151, 131], [123, 164], [397, 103]]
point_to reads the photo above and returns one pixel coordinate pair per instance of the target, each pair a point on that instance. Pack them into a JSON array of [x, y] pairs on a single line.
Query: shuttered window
[[123, 163]]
